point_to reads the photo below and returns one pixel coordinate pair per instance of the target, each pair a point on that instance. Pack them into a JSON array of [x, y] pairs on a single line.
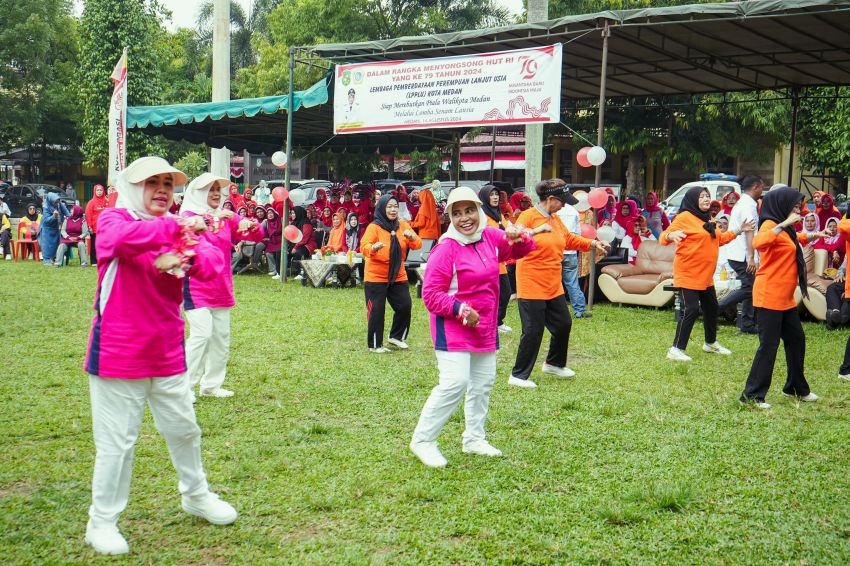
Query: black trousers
[[537, 314], [92, 250], [845, 367], [511, 267], [772, 326], [296, 255], [504, 296], [377, 296], [743, 295], [5, 241], [692, 302], [835, 297]]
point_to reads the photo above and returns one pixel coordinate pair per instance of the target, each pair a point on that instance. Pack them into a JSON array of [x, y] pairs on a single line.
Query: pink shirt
[[137, 330], [201, 293], [467, 274]]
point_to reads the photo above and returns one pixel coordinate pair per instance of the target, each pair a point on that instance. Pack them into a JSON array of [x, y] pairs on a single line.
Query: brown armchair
[[816, 262], [641, 283]]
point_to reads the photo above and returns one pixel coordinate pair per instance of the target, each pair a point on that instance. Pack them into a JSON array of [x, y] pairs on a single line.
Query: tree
[[193, 164], [824, 131], [245, 28], [107, 26]]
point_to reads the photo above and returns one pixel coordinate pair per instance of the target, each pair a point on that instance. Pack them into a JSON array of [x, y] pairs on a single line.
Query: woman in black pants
[[489, 196]]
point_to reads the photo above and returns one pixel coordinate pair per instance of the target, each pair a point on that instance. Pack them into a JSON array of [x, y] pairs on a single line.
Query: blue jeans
[[569, 277]]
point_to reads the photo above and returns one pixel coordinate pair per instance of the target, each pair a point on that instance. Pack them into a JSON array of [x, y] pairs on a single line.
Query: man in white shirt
[[4, 209], [569, 271], [741, 254]]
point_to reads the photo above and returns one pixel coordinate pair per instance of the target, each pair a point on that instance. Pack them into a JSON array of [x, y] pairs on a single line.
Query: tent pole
[[288, 173], [493, 157], [795, 107], [600, 130]]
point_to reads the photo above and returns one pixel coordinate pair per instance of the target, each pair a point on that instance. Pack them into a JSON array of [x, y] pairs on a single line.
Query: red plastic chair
[[25, 237]]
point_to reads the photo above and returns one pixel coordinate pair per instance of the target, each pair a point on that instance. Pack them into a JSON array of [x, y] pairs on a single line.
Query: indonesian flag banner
[[118, 120], [522, 86]]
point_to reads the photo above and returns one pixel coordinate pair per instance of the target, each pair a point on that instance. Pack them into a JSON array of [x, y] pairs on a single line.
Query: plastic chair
[[25, 238]]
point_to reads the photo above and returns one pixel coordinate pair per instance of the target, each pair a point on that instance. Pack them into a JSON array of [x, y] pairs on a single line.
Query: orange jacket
[[776, 277], [503, 270], [427, 221], [696, 255], [844, 230], [378, 263], [538, 275]]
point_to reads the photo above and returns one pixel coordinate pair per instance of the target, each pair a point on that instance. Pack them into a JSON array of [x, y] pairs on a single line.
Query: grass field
[[637, 460]]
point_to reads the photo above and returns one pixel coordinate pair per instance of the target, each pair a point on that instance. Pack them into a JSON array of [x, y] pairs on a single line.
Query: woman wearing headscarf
[[321, 199], [627, 212], [816, 200], [714, 208], [403, 210], [384, 245], [94, 207], [637, 232], [325, 222], [208, 302], [234, 197], [135, 354], [489, 197], [30, 224], [303, 248], [833, 243], [781, 271], [427, 221], [363, 209], [609, 212], [55, 213], [461, 292], [273, 228], [505, 205], [730, 199], [656, 218], [111, 196], [827, 209], [352, 233], [73, 235], [540, 290], [520, 202], [248, 195], [697, 247], [336, 237], [811, 226], [263, 195], [413, 204]]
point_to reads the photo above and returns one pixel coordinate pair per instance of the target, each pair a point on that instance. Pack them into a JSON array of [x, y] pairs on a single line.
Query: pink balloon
[[588, 231], [280, 194], [581, 157], [292, 234], [597, 198]]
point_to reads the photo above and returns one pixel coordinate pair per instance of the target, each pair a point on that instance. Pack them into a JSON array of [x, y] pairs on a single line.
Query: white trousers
[[208, 346], [469, 373], [118, 406]]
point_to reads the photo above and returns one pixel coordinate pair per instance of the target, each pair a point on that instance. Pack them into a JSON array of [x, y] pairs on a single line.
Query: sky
[[184, 12]]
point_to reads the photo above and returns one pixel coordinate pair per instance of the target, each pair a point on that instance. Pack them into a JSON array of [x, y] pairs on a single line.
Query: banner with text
[[522, 86]]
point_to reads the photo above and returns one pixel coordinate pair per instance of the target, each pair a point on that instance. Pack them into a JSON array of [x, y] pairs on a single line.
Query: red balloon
[[597, 198], [581, 157], [588, 231], [292, 233], [280, 194]]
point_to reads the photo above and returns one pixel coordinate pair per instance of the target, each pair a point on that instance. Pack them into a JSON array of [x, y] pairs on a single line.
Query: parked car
[[717, 189], [387, 185], [18, 197]]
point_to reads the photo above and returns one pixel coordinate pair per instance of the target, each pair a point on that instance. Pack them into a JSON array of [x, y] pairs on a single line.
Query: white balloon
[[596, 155], [297, 196], [605, 233], [582, 204], [279, 159]]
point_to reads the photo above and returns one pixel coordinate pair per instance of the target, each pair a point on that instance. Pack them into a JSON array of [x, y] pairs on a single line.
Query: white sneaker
[[400, 344], [299, 277], [482, 448], [555, 370], [512, 297], [428, 454], [845, 377], [217, 392], [757, 404], [208, 506], [106, 539], [716, 348], [677, 355], [8, 257], [521, 382], [504, 328], [271, 272], [380, 350], [810, 398], [276, 277]]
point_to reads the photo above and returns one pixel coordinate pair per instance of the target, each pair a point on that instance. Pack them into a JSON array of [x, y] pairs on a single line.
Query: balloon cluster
[[591, 156]]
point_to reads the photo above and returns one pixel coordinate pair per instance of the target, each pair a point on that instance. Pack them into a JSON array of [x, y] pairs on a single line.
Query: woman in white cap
[[135, 353], [461, 291], [208, 303]]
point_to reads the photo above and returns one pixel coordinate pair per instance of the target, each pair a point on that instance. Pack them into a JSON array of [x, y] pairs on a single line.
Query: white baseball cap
[[145, 167]]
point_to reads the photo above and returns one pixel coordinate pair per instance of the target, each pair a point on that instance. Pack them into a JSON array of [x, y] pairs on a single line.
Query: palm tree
[[243, 28]]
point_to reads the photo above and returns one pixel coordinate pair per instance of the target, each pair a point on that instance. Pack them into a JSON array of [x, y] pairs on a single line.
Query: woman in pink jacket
[[461, 291], [208, 303], [135, 352]]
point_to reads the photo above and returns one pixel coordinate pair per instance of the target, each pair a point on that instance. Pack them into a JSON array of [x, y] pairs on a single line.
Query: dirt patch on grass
[[17, 489]]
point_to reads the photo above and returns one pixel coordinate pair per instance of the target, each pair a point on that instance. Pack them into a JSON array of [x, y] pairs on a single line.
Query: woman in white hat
[[208, 303], [135, 353], [461, 291]]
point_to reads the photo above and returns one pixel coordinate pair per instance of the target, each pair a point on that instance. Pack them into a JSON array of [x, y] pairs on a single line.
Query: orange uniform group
[[696, 257], [775, 280]]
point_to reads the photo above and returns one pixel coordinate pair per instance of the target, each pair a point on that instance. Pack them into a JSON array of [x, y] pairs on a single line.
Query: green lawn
[[635, 460]]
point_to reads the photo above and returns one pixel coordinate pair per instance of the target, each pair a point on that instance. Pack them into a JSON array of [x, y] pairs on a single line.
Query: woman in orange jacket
[[384, 245], [697, 246], [427, 221], [496, 218], [540, 293], [782, 269]]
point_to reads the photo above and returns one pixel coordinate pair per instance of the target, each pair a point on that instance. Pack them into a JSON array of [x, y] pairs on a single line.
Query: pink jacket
[[137, 330], [218, 292], [467, 274]]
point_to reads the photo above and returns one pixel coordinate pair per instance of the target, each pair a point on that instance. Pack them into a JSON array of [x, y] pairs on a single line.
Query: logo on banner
[[529, 67], [346, 78]]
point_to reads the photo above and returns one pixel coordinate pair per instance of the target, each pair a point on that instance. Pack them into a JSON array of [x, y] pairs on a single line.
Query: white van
[[717, 189]]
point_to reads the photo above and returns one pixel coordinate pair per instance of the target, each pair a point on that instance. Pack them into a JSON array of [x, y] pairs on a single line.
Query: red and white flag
[[118, 120]]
